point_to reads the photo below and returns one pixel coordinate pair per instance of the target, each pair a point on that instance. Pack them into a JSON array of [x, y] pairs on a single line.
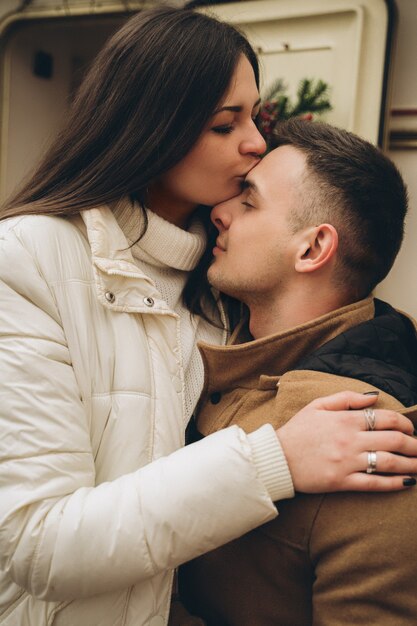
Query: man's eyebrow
[[248, 184], [235, 109]]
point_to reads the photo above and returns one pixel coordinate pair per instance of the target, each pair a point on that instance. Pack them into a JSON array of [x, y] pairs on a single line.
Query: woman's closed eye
[[224, 129]]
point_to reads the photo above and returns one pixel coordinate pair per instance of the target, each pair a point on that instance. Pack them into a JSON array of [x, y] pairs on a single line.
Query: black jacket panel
[[381, 352]]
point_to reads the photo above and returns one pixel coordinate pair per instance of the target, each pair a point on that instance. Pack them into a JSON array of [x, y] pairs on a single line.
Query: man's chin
[[213, 279], [222, 285]]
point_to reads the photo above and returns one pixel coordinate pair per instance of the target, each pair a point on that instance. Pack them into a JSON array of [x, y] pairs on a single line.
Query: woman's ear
[[317, 248]]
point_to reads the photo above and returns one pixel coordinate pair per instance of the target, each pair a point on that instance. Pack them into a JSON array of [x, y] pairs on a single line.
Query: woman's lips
[[243, 176]]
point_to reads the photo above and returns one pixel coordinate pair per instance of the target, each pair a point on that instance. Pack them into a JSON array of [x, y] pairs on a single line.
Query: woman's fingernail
[[409, 482], [371, 393]]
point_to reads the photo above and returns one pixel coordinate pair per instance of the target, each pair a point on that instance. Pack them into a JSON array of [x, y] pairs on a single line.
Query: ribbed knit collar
[[163, 244]]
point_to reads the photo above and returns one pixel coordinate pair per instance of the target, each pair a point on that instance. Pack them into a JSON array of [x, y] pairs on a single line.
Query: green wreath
[[312, 98]]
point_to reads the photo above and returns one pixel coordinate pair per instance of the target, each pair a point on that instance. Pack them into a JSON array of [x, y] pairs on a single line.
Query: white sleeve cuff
[[271, 464]]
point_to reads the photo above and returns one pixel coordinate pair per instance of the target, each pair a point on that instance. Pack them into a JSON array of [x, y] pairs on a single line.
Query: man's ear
[[317, 248]]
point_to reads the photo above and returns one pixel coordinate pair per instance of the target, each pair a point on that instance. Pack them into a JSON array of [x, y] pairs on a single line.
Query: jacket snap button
[[215, 397], [110, 297], [149, 301], [157, 620]]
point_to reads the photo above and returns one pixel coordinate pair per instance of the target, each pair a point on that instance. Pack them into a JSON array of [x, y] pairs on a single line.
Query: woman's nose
[[253, 144]]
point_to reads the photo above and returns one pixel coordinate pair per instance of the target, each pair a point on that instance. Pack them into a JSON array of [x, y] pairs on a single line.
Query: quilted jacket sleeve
[[61, 536]]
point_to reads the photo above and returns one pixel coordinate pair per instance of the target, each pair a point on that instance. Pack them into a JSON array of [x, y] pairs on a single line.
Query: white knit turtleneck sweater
[[166, 254]]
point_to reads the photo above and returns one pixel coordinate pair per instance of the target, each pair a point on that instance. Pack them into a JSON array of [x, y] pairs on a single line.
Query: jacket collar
[[120, 284], [381, 352], [227, 367]]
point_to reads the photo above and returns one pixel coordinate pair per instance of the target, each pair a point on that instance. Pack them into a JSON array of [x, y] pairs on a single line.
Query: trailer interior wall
[[400, 287], [36, 103]]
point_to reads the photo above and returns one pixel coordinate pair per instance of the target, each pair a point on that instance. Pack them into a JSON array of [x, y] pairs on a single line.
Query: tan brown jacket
[[327, 560]]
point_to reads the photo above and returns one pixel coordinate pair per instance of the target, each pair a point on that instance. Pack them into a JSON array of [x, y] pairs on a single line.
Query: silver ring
[[370, 419], [371, 469]]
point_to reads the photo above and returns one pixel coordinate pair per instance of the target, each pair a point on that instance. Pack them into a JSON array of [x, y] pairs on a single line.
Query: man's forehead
[[260, 176], [284, 162]]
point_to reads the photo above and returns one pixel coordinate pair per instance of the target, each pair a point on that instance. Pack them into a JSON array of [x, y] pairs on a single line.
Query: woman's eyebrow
[[235, 109]]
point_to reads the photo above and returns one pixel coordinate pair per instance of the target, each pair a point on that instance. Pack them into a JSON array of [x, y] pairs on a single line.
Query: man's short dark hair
[[351, 184]]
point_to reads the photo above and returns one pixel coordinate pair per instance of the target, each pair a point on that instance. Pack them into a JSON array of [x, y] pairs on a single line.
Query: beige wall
[[35, 105], [40, 100], [400, 287]]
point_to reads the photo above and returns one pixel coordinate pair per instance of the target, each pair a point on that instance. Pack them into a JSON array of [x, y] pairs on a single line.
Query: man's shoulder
[[381, 351]]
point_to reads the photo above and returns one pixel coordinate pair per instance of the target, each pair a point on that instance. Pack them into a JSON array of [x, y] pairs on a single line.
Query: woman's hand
[[327, 443]]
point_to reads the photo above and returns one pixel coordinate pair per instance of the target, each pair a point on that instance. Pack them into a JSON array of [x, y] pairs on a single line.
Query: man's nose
[[221, 216]]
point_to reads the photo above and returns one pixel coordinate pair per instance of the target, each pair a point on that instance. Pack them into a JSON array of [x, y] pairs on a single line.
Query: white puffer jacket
[[99, 501]]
